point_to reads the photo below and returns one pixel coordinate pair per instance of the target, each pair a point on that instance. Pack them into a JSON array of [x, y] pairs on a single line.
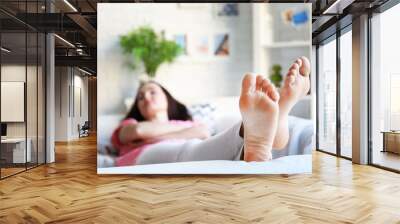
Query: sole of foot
[[259, 108]]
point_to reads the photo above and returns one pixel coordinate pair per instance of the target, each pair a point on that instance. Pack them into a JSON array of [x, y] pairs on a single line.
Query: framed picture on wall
[[221, 46], [226, 10], [200, 46], [181, 40]]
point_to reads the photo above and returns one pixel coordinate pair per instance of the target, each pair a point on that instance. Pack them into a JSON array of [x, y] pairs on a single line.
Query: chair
[[84, 130]]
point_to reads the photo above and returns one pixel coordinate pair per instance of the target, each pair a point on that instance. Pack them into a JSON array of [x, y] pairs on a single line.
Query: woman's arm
[[146, 130], [199, 131]]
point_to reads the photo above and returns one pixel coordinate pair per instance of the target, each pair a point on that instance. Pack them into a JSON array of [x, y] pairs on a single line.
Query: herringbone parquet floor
[[70, 191]]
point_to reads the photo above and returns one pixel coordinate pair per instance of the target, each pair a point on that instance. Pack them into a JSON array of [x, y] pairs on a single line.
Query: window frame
[[334, 37]]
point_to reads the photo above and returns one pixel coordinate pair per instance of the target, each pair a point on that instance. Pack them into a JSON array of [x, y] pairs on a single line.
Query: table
[[15, 148], [391, 141]]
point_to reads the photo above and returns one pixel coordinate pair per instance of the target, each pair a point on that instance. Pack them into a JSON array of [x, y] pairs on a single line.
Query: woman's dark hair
[[176, 110]]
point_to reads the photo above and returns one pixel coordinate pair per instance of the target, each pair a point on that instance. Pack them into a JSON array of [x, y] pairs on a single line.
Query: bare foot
[[296, 84], [260, 110]]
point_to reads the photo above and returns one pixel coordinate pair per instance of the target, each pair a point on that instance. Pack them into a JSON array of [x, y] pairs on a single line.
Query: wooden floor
[[70, 191], [5, 172], [387, 159], [10, 171]]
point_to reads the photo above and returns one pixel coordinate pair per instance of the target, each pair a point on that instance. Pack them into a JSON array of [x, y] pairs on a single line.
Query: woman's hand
[[139, 143], [199, 131], [147, 130]]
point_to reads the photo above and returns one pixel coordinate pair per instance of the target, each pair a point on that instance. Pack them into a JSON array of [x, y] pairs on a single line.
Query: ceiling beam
[[49, 22], [84, 24], [337, 7], [81, 61]]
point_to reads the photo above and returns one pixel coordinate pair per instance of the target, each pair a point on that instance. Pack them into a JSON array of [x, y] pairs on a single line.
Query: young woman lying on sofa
[[159, 129]]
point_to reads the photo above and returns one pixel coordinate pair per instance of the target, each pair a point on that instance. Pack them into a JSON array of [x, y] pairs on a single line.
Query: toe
[[259, 82], [305, 66], [273, 93], [290, 79], [270, 90], [291, 76], [299, 62], [248, 83], [295, 66], [293, 71], [265, 85]]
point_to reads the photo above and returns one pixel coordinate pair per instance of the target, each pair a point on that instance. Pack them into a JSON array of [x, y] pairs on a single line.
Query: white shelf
[[287, 44]]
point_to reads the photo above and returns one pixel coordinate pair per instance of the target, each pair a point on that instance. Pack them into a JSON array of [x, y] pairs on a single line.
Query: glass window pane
[[386, 89], [327, 97], [31, 97], [346, 94], [14, 153], [41, 98], [32, 85], [22, 86]]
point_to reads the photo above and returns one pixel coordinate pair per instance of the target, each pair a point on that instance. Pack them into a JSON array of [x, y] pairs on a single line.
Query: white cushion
[[204, 113], [128, 103], [106, 124]]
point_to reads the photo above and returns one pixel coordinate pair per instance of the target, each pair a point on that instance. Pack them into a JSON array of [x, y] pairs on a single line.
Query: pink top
[[128, 153]]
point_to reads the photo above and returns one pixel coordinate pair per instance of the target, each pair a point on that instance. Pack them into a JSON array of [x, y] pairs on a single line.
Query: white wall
[[67, 120], [79, 117], [61, 103], [277, 42], [186, 79]]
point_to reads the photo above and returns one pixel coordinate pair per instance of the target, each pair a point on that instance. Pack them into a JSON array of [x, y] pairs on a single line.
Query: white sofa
[[296, 156]]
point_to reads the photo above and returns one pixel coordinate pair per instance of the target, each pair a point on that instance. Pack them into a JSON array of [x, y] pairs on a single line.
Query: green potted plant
[[145, 46], [276, 76]]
